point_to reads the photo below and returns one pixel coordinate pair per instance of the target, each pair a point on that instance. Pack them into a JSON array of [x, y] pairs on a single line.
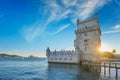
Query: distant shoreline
[[17, 56]]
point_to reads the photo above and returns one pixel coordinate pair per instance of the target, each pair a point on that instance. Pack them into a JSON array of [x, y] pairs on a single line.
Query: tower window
[[60, 58], [55, 58], [85, 40], [85, 33], [85, 48]]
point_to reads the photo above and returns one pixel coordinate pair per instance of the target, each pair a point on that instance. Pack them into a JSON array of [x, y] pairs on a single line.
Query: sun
[[105, 47], [101, 49]]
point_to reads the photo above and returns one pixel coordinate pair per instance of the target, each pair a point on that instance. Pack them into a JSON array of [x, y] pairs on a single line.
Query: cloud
[[78, 8], [90, 6], [31, 32], [111, 31], [115, 29], [58, 10], [64, 15], [69, 3], [61, 29]]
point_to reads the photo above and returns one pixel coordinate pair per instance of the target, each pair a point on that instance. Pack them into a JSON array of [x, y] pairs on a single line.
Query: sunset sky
[[30, 26]]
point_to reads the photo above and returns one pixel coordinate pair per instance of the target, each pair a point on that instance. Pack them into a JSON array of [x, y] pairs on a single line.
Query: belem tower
[[87, 44]]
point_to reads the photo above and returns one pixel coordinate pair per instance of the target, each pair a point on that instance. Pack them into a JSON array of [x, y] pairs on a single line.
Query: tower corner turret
[[47, 51]]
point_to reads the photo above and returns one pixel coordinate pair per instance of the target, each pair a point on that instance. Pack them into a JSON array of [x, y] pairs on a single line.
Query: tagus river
[[39, 69]]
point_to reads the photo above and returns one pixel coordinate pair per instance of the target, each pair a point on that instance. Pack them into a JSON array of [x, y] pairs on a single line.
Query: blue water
[[39, 69]]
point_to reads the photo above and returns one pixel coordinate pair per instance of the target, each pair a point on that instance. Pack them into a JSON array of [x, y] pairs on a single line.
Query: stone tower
[[88, 40]]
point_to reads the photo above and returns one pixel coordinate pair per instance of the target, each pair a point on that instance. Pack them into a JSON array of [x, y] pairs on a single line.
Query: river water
[[39, 69]]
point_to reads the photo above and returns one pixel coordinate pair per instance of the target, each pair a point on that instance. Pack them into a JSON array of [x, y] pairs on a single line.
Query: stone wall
[[63, 57]]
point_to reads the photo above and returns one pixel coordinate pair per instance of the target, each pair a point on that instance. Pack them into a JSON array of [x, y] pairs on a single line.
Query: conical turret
[[47, 51]]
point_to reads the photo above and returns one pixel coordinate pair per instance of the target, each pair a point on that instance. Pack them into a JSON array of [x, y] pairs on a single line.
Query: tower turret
[[47, 51], [96, 15], [78, 21]]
